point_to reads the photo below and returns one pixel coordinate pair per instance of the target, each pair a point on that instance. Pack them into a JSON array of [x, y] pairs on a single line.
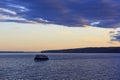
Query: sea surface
[[60, 66]]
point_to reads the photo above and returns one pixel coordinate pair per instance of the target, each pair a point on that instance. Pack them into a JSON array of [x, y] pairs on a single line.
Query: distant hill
[[86, 50]]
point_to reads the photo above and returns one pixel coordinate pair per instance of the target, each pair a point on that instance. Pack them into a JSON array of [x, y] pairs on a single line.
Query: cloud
[[115, 35], [7, 12], [95, 23], [68, 12], [71, 13], [21, 8], [20, 20]]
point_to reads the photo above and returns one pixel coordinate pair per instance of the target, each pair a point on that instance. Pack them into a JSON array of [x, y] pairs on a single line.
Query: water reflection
[[61, 67]]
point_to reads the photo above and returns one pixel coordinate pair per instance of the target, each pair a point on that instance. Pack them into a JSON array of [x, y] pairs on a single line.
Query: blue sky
[[69, 13]]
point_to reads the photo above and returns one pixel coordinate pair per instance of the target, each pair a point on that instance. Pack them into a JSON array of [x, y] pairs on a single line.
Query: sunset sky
[[35, 25]]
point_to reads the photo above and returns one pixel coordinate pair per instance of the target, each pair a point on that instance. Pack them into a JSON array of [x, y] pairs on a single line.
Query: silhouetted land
[[86, 50]]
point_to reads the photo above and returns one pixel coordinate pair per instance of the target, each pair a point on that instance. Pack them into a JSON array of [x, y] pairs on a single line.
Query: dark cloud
[[17, 21], [115, 36], [109, 23], [68, 12]]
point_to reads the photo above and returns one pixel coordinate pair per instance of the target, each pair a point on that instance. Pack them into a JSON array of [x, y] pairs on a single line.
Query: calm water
[[60, 67]]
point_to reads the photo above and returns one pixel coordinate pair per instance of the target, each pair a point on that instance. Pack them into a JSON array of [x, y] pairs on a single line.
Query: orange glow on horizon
[[37, 37]]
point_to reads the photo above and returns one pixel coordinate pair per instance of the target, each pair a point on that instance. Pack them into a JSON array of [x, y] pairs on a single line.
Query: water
[[69, 66]]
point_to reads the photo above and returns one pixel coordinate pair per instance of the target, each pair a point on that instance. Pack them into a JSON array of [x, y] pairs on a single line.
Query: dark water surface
[[69, 66]]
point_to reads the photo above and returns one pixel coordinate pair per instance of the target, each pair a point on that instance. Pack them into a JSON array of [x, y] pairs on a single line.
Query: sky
[[35, 25]]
